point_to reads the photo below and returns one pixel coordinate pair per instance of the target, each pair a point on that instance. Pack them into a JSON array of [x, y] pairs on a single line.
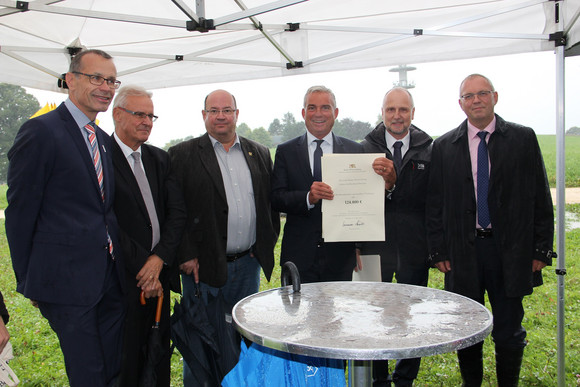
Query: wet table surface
[[362, 320]]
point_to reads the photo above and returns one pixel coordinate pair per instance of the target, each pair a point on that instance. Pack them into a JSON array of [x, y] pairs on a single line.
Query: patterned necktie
[[317, 168], [96, 156], [91, 134], [397, 157], [147, 197], [483, 217]]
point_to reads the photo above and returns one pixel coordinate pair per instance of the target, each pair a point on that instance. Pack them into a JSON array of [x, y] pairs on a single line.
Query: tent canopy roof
[[156, 44]]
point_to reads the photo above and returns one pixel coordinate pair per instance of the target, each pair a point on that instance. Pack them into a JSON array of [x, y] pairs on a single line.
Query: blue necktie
[[397, 157], [316, 168], [483, 217]]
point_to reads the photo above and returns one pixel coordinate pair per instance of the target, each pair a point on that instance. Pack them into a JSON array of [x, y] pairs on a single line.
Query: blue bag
[[265, 367]]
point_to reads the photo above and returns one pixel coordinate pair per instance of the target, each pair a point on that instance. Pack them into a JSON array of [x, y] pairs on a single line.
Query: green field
[[39, 361]]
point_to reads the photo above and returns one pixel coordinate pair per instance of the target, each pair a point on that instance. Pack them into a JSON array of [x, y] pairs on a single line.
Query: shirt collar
[[80, 118], [214, 142], [310, 138], [472, 130], [127, 151], [391, 140]]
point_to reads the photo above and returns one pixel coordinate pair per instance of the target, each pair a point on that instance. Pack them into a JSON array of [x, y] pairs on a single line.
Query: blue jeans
[[243, 280]]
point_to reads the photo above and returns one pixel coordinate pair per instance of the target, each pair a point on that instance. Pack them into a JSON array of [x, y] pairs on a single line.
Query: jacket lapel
[[304, 158], [123, 169], [79, 141], [210, 163]]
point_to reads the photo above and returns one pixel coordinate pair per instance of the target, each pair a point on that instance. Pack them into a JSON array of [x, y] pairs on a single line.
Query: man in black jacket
[[231, 230], [404, 253], [151, 214], [490, 222]]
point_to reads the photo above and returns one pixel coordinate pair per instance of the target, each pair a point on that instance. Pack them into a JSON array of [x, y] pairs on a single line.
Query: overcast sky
[[525, 84]]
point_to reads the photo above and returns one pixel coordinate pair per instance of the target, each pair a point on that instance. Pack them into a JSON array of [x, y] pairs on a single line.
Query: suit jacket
[[56, 220], [197, 170], [134, 219], [291, 182], [519, 202]]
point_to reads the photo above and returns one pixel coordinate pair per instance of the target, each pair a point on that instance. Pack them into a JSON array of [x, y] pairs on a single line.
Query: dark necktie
[[397, 157], [483, 217], [317, 168], [147, 197]]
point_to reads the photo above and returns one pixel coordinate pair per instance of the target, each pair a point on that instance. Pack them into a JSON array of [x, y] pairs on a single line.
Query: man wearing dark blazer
[[296, 192], [151, 216], [231, 230], [60, 224], [490, 222]]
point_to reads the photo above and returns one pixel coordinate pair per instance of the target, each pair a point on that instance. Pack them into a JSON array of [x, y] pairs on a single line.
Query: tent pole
[[560, 208]]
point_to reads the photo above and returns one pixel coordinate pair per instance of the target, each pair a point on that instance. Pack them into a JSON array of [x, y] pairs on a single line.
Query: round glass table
[[362, 321]]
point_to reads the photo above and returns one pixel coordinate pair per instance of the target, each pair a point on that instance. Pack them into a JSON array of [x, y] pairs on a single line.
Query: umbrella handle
[[159, 305], [290, 273]]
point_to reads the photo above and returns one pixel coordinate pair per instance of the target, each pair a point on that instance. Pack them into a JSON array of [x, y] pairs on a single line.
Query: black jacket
[[519, 201], [405, 235], [205, 237]]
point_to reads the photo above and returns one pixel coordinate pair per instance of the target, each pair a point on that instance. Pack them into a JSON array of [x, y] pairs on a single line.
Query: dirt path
[[572, 196]]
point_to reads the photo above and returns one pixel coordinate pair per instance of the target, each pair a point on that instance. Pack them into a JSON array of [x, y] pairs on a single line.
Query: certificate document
[[357, 212]]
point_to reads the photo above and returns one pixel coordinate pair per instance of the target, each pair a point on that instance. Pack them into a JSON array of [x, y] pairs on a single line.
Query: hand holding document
[[357, 212]]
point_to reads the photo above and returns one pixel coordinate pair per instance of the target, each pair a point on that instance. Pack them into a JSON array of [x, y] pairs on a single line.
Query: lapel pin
[[250, 154]]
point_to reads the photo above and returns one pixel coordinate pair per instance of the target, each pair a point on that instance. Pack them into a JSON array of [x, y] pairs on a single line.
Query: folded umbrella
[[209, 345], [155, 350]]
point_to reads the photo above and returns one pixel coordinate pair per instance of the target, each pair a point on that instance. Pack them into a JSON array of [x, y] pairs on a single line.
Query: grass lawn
[[39, 362]]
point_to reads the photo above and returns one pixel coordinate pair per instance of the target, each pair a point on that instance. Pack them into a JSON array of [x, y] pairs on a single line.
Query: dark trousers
[[91, 336], [406, 370], [508, 312], [508, 333], [322, 269], [138, 323]]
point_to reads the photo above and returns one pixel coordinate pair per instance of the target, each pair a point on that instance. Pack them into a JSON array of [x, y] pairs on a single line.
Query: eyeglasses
[[225, 112], [480, 95], [141, 115], [97, 80]]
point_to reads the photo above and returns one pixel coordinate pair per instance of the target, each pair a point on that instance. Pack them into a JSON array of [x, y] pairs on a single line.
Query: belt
[[483, 233], [233, 257]]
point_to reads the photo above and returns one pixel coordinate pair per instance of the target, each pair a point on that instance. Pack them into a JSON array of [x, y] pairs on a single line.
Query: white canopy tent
[[160, 44]]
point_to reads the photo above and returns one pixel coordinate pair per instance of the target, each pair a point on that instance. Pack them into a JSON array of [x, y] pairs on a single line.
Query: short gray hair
[[320, 89], [471, 76], [75, 64], [130, 91]]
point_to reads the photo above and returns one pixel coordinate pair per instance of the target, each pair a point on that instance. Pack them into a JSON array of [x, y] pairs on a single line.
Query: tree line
[[288, 127]]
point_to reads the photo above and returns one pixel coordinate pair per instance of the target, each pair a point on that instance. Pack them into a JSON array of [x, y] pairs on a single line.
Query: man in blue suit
[[61, 227], [297, 191]]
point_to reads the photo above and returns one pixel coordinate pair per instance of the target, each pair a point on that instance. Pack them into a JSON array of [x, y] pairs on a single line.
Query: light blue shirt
[[237, 181], [82, 120]]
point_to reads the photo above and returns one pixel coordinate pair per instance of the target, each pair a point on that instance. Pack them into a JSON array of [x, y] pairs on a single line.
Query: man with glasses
[[60, 224], [231, 231], [490, 222], [151, 215]]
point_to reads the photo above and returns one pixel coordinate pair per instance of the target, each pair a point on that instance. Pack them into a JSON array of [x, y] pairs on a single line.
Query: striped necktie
[[96, 156]]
